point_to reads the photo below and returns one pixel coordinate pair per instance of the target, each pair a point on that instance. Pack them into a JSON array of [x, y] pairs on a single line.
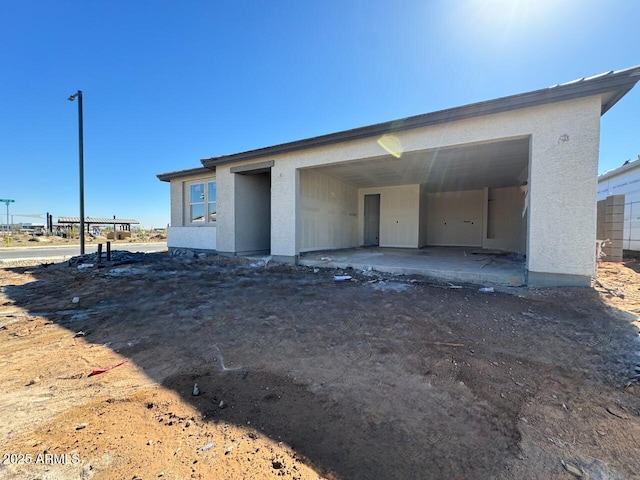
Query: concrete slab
[[452, 264]]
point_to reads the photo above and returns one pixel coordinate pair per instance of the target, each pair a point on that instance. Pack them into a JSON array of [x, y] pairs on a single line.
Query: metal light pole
[[78, 95]]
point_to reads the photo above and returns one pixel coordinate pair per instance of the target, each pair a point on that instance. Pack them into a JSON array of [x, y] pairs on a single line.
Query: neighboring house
[[625, 180], [517, 173]]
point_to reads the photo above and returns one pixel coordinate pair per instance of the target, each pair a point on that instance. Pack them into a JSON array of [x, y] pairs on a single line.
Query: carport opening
[[253, 212], [472, 196]]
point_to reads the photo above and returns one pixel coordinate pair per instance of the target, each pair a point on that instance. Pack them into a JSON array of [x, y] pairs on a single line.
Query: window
[[211, 201], [197, 202], [202, 202]]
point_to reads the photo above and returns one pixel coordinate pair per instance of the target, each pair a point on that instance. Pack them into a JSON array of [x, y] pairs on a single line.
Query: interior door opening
[[372, 220]]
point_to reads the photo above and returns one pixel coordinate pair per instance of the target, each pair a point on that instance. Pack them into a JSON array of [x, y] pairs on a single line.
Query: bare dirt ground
[[28, 240], [302, 377]]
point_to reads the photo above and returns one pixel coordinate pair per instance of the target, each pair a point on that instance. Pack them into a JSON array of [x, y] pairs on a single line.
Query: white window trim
[[187, 202]]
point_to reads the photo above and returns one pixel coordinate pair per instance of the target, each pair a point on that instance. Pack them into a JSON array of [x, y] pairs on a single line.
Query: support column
[[285, 193], [563, 166], [226, 214]]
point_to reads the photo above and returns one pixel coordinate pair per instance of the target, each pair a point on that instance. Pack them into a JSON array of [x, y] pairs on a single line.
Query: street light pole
[[78, 95]]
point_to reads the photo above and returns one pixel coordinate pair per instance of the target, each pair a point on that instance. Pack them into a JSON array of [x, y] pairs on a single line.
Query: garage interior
[[471, 197]]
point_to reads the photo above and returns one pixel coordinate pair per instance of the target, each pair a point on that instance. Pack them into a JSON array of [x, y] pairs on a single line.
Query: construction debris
[[106, 369], [342, 278]]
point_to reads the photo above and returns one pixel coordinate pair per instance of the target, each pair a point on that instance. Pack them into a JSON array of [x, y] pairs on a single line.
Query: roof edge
[[621, 81], [621, 169], [167, 177], [97, 220]]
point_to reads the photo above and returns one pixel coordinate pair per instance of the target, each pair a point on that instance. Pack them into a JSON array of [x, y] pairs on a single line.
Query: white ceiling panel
[[467, 167]]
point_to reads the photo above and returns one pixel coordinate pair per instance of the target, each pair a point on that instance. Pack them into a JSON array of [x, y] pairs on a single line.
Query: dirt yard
[[28, 240], [302, 377]]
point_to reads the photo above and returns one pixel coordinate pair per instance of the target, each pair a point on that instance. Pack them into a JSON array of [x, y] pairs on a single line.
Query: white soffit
[[466, 167]]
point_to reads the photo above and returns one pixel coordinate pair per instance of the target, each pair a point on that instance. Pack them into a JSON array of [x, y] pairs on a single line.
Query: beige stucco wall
[[226, 210], [562, 192], [234, 227], [455, 218], [180, 198], [252, 213], [399, 215], [181, 234], [196, 238], [328, 212], [177, 202], [562, 188], [285, 195]]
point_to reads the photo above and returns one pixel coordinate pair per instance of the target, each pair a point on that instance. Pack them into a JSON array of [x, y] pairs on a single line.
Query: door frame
[[368, 220]]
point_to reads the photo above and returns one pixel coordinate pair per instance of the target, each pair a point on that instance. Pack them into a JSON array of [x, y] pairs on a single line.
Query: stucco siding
[[196, 238], [180, 197], [562, 191], [252, 213], [562, 169], [285, 194], [177, 203], [328, 212], [226, 210]]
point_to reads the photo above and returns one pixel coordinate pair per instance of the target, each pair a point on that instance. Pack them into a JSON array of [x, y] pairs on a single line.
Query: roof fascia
[[620, 82], [167, 177], [620, 170]]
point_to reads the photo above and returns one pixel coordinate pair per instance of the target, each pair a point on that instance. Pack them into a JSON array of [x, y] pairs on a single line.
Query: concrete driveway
[[452, 264]]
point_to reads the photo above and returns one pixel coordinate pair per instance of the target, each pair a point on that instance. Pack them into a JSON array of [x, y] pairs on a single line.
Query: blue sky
[[167, 83]]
